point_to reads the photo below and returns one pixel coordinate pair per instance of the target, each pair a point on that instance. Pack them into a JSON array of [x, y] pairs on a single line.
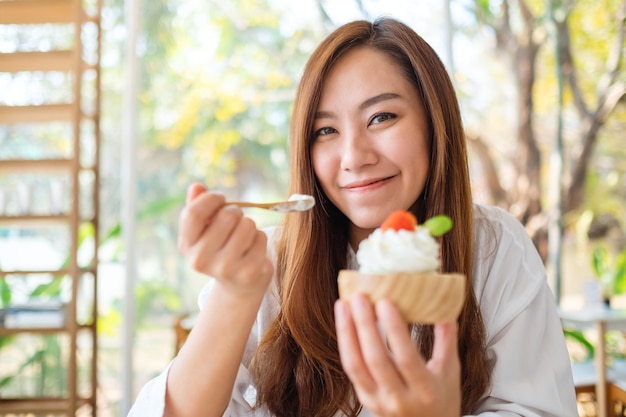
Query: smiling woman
[[375, 128], [371, 147]]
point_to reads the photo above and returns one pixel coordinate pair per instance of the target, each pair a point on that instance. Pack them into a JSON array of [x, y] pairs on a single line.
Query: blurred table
[[602, 320]]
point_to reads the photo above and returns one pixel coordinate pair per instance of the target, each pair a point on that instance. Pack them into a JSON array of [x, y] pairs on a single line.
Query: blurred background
[[175, 91]]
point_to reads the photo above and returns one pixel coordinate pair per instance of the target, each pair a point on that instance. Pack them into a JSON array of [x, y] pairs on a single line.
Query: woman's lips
[[367, 185]]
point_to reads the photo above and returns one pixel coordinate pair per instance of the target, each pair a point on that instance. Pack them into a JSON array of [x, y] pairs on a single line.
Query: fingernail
[[232, 208], [193, 190]]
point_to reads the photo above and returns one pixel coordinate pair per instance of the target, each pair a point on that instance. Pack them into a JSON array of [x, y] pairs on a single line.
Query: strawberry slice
[[400, 220]]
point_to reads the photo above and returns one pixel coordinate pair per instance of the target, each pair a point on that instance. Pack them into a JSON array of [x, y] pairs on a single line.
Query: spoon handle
[[297, 202], [243, 204]]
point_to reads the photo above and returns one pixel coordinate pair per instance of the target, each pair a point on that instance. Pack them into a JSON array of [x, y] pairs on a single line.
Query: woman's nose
[[357, 152]]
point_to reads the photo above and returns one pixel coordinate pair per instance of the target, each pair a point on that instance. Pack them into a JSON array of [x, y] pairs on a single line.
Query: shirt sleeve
[[531, 370]]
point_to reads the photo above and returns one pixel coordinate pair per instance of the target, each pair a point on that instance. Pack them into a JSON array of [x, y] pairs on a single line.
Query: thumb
[[194, 190]]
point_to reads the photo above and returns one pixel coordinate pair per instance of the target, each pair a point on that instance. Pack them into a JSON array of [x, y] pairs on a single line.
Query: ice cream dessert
[[400, 262]]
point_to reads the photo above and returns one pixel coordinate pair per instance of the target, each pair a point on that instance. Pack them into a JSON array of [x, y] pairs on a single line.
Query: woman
[[375, 128]]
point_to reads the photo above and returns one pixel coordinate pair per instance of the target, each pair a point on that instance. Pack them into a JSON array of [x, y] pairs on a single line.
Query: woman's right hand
[[218, 240]]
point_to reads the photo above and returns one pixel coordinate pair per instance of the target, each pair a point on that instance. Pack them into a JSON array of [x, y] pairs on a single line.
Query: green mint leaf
[[438, 225]]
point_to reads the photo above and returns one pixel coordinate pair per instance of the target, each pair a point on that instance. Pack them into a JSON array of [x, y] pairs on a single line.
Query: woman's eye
[[323, 132], [382, 117]]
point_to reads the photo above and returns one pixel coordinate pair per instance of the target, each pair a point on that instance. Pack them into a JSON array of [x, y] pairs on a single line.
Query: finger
[[372, 344], [203, 254], [242, 237], [216, 234], [257, 252], [255, 263], [243, 259], [445, 349], [194, 190], [350, 350], [407, 360], [196, 215]]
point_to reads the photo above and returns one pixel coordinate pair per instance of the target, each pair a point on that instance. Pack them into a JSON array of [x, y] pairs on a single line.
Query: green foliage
[[52, 289], [599, 261], [579, 337], [150, 295], [5, 293], [48, 362], [153, 296], [227, 90], [611, 272], [6, 341], [483, 12], [47, 290]]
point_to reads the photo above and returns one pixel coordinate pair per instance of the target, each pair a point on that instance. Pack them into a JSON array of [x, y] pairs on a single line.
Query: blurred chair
[[180, 332], [585, 384], [617, 397]]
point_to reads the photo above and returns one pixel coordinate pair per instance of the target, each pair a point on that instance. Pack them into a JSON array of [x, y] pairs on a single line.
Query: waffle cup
[[421, 297]]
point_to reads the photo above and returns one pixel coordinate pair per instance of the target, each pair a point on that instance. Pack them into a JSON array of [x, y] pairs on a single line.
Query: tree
[[594, 111], [230, 113], [520, 29]]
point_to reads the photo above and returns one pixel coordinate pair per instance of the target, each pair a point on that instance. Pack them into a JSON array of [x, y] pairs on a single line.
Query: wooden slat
[[39, 220], [33, 405], [37, 61], [33, 220], [93, 19], [17, 166], [38, 405], [8, 331], [36, 114], [64, 271], [35, 272], [24, 12]]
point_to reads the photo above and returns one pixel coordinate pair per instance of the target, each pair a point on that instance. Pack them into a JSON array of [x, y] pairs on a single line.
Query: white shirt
[[531, 374]]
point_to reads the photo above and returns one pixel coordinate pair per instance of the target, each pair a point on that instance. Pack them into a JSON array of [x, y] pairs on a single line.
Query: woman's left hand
[[391, 378]]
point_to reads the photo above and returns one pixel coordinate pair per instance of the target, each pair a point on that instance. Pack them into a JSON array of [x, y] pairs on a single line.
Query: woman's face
[[371, 139]]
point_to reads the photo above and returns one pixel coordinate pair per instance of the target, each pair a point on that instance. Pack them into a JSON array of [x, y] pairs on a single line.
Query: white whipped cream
[[303, 202], [392, 251]]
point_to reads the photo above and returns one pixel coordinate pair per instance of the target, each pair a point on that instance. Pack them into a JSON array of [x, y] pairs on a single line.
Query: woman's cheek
[[322, 165]]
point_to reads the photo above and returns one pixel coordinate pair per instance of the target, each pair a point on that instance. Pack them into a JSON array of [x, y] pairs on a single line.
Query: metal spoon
[[297, 202]]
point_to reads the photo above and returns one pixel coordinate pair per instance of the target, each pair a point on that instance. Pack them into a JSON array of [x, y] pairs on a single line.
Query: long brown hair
[[297, 367]]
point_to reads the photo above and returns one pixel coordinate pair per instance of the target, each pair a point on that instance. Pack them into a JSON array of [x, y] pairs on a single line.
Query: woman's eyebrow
[[323, 115], [377, 99], [367, 103]]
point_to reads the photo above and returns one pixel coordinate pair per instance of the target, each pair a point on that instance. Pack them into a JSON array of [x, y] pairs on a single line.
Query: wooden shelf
[[12, 331], [29, 12], [72, 15], [36, 114], [30, 166], [8, 331], [37, 61], [40, 219], [34, 220], [34, 272], [62, 271], [38, 405], [93, 19]]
